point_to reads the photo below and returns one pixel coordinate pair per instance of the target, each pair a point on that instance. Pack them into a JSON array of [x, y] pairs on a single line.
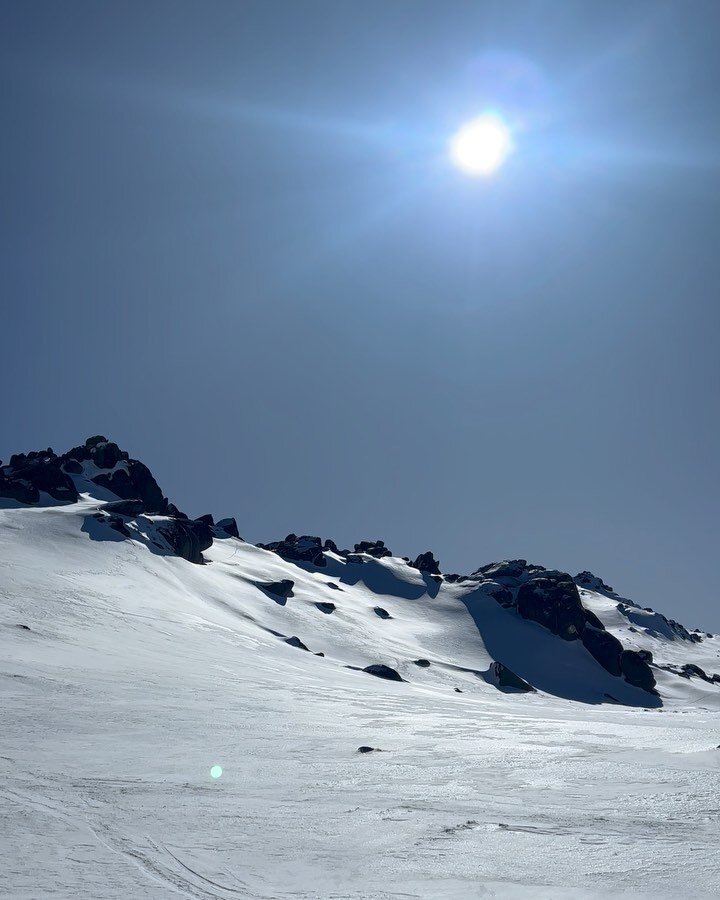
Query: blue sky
[[233, 241]]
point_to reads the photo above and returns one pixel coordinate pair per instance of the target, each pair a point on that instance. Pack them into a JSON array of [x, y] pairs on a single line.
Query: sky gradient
[[233, 242]]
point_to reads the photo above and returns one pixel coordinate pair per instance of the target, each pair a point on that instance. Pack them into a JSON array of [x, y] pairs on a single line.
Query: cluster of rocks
[[426, 562], [551, 598], [28, 476], [306, 548]]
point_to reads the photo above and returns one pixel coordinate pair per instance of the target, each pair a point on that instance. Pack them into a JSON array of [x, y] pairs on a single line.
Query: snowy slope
[[127, 673]]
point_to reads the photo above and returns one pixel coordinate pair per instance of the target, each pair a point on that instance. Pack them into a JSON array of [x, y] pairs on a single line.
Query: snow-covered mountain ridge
[[591, 645], [532, 734]]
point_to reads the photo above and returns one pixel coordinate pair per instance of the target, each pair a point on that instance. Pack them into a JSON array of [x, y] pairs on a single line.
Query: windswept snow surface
[[127, 674]]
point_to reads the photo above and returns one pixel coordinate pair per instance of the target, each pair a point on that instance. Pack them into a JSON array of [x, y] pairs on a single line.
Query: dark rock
[[125, 507], [106, 454], [135, 483], [355, 559], [382, 671], [229, 526], [500, 594], [330, 545], [423, 663], [18, 489], [296, 642], [426, 562], [72, 467], [23, 627], [187, 539], [29, 475], [326, 608], [452, 578], [646, 655], [376, 549], [306, 548], [207, 519], [320, 654], [604, 647], [592, 619], [692, 670], [593, 583], [117, 524], [331, 584], [94, 441], [383, 613], [173, 511], [458, 691], [282, 588], [507, 680], [366, 749], [552, 600], [512, 569], [636, 671]]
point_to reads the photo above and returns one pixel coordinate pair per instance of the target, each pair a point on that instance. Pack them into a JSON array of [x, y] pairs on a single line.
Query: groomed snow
[[140, 671]]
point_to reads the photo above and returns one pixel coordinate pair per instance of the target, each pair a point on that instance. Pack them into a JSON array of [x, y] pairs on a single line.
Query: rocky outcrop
[[507, 680], [376, 549], [136, 482], [604, 647], [28, 476], [381, 613], [636, 671], [306, 548], [553, 601], [381, 671], [187, 538], [283, 588], [227, 528], [426, 562]]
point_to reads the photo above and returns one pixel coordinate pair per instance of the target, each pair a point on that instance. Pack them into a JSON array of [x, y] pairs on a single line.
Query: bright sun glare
[[482, 145]]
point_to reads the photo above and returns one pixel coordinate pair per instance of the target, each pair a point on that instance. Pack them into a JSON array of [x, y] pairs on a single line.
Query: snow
[[140, 672]]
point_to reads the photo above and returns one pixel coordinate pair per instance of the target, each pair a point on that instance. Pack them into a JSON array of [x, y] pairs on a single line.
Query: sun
[[481, 146]]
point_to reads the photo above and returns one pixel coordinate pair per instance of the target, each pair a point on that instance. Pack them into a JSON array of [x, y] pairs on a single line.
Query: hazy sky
[[232, 240]]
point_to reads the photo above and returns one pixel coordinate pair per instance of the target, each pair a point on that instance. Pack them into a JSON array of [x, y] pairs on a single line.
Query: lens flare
[[216, 771], [482, 145]]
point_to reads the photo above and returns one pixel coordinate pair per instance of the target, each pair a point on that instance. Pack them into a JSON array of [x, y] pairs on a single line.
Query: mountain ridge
[[131, 507]]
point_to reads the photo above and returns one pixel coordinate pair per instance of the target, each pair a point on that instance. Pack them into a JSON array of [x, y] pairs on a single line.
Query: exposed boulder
[[382, 613], [423, 663], [207, 519], [636, 671], [229, 526], [106, 454], [366, 749], [92, 442], [426, 562], [593, 583], [592, 619], [552, 600], [296, 642], [135, 483], [187, 538], [507, 680], [691, 670], [381, 671], [282, 588], [306, 548], [508, 571], [376, 549], [604, 647], [28, 475], [500, 593], [326, 608]]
